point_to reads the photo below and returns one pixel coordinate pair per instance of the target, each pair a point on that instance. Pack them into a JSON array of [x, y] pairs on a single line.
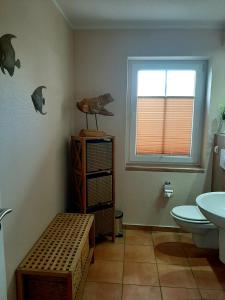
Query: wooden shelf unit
[[93, 180], [57, 265]]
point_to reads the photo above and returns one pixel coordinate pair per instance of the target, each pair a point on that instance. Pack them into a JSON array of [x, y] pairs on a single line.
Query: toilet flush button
[[216, 149], [222, 159]]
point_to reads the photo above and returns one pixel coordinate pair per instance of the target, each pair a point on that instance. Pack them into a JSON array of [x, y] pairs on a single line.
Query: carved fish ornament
[[38, 99], [96, 105], [7, 54]]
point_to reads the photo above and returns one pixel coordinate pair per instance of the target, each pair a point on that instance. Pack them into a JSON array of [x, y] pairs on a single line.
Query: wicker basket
[[104, 221], [99, 190], [99, 155]]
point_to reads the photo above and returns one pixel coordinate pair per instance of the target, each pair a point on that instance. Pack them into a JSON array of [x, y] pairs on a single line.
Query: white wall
[[101, 57], [33, 149]]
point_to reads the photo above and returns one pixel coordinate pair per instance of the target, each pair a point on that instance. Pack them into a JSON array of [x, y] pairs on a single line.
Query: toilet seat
[[190, 213], [190, 219]]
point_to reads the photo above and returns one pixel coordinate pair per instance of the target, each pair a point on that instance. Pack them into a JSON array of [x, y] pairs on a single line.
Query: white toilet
[[189, 218]]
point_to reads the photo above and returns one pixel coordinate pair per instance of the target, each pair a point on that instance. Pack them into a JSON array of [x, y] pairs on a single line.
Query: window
[[165, 108]]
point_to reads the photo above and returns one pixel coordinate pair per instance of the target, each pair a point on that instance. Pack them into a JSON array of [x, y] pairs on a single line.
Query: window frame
[[134, 64]]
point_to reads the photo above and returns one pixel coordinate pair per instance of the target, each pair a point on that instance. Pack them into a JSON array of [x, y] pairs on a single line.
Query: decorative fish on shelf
[[96, 105], [38, 99], [7, 54]]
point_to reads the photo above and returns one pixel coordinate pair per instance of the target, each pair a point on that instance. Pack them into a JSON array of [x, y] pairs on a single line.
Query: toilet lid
[[189, 212]]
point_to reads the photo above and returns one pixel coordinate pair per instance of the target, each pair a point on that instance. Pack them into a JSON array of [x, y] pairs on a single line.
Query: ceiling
[[143, 13]]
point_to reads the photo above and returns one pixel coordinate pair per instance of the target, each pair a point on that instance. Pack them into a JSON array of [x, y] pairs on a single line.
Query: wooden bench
[[57, 265]]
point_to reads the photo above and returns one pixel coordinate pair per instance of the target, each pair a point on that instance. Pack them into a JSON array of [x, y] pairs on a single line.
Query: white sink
[[212, 205]]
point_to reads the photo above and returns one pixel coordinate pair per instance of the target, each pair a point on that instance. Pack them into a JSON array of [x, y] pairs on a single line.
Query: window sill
[[164, 168]]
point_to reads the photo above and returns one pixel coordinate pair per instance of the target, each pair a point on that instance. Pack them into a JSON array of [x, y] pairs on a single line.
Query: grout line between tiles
[[196, 283], [190, 266], [124, 233], [157, 267]]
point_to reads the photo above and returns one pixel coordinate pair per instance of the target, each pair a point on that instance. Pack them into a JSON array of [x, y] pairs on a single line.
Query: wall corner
[[223, 38]]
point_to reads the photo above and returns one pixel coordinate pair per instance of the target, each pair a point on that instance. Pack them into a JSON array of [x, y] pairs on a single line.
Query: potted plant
[[222, 119]]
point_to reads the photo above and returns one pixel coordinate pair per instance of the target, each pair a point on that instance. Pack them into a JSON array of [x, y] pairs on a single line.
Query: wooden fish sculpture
[[96, 105], [38, 99], [7, 54]]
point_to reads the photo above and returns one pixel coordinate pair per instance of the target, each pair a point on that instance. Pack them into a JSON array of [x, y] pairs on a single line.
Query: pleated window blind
[[166, 119], [164, 112], [164, 125]]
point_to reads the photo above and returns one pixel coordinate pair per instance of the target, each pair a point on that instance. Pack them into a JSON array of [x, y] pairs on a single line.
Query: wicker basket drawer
[[99, 190], [99, 155], [104, 221], [85, 253]]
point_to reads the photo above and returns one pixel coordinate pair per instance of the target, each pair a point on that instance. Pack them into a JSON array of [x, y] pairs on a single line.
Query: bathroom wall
[[33, 148], [101, 57]]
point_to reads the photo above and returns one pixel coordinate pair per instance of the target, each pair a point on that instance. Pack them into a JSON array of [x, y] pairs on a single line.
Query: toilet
[[189, 218]]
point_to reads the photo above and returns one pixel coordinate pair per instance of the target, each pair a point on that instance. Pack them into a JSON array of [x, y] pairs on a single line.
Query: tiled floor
[[154, 265]]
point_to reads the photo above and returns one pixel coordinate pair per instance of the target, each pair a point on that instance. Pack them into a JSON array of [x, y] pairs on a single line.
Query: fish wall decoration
[[7, 54], [38, 99]]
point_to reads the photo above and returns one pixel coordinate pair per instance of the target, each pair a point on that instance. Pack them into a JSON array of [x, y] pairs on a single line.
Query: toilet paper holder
[[168, 189]]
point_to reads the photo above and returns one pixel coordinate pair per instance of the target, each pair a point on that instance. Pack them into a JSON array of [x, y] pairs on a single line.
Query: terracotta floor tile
[[180, 294], [140, 274], [137, 292], [168, 238], [212, 294], [108, 238], [120, 240], [106, 271], [138, 237], [204, 261], [193, 252], [214, 261], [109, 251], [139, 253], [97, 291], [209, 278], [176, 276], [170, 255], [142, 261], [186, 238], [202, 257]]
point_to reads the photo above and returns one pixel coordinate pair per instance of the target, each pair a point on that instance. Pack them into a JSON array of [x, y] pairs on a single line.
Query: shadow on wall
[[214, 129], [160, 202], [215, 125], [69, 207], [41, 198]]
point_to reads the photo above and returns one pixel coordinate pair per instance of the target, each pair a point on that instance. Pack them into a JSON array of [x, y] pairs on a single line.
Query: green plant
[[222, 111]]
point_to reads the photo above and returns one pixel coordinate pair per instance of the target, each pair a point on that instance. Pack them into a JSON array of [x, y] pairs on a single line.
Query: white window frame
[[134, 64]]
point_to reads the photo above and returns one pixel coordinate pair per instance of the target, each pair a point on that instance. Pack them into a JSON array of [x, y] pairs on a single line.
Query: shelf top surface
[[74, 137], [59, 247]]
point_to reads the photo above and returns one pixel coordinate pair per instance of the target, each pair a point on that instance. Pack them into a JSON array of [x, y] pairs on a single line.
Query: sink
[[212, 205]]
